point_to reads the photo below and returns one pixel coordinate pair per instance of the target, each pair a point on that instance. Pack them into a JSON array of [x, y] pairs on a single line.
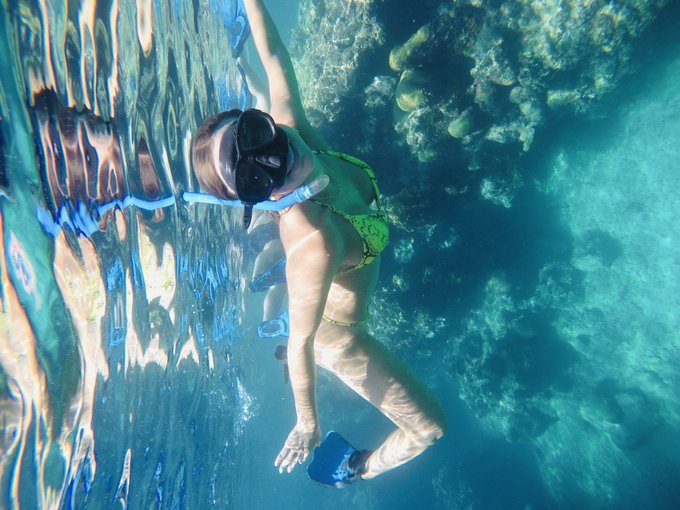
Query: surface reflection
[[119, 307]]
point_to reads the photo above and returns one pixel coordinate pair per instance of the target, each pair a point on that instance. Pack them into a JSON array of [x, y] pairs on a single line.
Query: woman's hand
[[298, 445]]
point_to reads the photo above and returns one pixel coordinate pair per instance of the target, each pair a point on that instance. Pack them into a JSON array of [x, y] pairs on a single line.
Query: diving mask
[[261, 159]]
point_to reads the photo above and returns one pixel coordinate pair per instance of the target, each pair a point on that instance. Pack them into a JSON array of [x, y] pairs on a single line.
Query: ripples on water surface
[[536, 295], [100, 349]]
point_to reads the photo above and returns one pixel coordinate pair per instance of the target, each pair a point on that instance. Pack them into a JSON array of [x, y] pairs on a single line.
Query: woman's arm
[[310, 268], [284, 93]]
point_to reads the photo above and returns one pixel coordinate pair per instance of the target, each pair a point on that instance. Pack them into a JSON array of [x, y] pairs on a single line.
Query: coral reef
[[477, 81], [575, 355], [510, 69], [509, 361], [547, 302], [334, 39]]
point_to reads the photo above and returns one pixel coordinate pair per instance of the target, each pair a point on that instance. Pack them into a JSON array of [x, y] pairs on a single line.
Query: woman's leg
[[371, 370]]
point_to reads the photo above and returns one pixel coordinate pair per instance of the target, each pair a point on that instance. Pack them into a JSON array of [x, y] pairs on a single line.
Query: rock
[[410, 90], [400, 54], [461, 126]]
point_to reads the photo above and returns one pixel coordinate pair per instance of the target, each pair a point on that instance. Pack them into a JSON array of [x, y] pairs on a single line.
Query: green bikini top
[[372, 228]]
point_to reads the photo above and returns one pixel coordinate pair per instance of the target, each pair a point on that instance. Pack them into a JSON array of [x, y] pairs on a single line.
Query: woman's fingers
[[281, 457], [292, 461], [285, 460], [288, 459], [295, 450]]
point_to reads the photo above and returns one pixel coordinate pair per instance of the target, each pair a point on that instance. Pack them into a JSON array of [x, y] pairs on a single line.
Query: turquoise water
[[528, 156]]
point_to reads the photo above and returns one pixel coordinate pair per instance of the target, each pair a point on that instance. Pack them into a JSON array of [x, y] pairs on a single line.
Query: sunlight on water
[[527, 152], [118, 315]]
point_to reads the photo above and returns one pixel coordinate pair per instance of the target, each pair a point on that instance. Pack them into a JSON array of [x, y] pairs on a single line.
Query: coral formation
[[476, 77], [520, 64], [331, 44], [536, 295], [410, 90]]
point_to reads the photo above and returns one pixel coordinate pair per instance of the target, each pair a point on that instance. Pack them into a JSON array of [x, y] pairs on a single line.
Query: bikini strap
[[361, 164]]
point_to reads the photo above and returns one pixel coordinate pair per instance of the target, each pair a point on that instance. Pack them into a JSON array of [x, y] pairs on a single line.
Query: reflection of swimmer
[[274, 275], [23, 269], [148, 177], [4, 181], [83, 172], [81, 157], [257, 88], [278, 326], [332, 243]]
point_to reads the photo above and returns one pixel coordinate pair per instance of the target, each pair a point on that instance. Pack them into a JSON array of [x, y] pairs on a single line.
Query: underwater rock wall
[[332, 42], [536, 277], [624, 402], [476, 81]]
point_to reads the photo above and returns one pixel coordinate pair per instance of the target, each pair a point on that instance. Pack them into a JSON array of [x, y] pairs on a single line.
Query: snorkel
[[304, 192]]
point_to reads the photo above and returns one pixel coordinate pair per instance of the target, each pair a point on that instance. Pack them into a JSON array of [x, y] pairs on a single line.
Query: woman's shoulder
[[305, 219], [308, 133]]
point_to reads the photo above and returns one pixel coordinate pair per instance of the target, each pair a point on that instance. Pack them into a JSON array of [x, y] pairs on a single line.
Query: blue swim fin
[[336, 463]]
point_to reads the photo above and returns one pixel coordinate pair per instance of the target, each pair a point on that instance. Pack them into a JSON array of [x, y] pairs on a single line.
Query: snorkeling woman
[[332, 242]]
